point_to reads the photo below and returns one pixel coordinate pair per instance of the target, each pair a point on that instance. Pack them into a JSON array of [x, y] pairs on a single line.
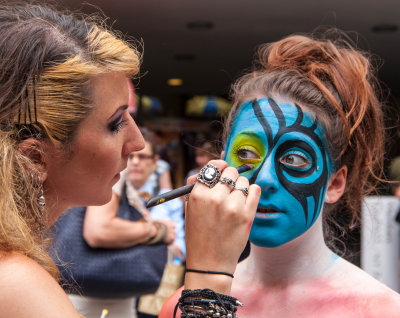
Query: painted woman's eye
[[246, 154], [296, 159]]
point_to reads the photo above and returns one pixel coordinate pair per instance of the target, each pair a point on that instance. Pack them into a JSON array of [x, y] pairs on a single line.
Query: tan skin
[[226, 210], [98, 155], [86, 176]]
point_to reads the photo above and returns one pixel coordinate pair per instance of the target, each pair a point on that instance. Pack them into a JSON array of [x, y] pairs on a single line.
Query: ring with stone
[[186, 197], [209, 175], [228, 181], [244, 190]]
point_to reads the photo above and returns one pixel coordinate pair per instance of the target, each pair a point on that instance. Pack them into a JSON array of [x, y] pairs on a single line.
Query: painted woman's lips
[[266, 210]]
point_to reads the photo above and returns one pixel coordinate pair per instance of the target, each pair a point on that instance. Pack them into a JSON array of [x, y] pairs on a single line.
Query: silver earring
[[41, 198], [41, 202]]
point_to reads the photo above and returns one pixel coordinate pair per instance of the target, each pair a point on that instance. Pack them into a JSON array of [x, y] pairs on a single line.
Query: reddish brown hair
[[336, 82]]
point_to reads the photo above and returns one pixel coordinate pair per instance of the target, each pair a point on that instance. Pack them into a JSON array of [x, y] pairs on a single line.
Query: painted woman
[[310, 122]]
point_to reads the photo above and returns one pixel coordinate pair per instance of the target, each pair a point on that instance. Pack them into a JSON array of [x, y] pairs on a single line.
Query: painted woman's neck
[[305, 256]]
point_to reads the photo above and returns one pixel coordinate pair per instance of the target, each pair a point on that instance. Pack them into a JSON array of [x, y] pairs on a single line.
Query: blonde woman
[[65, 135]]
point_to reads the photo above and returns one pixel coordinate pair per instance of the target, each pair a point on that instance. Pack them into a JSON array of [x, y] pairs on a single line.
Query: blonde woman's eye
[[117, 124], [246, 154], [296, 160]]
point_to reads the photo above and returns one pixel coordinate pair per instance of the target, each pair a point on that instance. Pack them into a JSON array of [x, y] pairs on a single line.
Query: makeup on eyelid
[[291, 165]]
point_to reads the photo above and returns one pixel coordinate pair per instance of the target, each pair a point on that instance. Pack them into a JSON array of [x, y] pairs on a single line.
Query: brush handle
[[176, 193], [170, 195]]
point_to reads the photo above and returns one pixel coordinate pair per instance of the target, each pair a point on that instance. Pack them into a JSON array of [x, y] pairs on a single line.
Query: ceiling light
[[385, 28], [175, 82], [200, 25]]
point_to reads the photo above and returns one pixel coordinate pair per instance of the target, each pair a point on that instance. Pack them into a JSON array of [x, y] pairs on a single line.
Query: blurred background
[[193, 51]]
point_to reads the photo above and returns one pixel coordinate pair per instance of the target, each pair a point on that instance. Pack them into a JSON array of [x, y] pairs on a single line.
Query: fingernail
[[259, 192]]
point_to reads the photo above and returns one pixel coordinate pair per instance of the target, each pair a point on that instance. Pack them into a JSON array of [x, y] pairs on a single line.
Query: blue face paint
[[292, 167]]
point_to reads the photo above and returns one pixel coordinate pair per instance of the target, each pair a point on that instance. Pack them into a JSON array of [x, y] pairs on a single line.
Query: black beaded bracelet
[[208, 272], [206, 303]]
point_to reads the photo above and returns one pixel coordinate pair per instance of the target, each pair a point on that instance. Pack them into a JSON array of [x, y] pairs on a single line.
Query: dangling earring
[[41, 198], [42, 204], [41, 201]]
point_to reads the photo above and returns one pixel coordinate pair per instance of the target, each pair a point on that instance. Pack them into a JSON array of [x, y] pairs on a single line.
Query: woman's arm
[[218, 223], [103, 228]]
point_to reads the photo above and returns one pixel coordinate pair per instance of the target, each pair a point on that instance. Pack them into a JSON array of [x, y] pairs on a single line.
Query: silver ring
[[228, 181], [186, 197], [244, 190], [209, 175]]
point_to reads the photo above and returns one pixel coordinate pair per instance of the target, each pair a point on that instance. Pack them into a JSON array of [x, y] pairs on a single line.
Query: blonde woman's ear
[[33, 149], [336, 185], [222, 155]]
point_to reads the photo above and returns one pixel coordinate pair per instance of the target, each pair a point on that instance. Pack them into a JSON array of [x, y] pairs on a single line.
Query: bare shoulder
[[27, 290], [376, 298], [344, 291]]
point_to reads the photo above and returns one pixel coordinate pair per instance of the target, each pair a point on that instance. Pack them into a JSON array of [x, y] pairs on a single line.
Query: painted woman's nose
[[267, 178]]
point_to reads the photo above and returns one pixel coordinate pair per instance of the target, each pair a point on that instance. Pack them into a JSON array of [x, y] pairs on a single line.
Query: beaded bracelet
[[206, 303]]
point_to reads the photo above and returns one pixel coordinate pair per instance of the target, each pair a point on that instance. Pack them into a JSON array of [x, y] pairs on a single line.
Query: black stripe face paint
[[292, 166]]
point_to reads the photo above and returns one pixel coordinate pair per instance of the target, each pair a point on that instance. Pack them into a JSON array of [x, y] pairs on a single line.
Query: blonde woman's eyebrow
[[120, 109]]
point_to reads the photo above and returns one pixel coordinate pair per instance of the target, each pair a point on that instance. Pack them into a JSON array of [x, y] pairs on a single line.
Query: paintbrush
[[176, 193]]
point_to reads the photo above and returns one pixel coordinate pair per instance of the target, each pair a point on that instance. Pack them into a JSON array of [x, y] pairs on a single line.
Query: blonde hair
[[47, 59]]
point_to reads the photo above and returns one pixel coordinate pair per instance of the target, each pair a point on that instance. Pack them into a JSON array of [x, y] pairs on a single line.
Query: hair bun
[[301, 54]]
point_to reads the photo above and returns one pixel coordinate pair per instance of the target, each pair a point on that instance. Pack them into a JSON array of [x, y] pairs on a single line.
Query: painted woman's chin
[[266, 243], [272, 238]]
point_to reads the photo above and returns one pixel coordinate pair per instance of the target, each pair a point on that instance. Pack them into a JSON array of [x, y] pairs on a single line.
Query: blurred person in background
[[203, 154], [394, 175]]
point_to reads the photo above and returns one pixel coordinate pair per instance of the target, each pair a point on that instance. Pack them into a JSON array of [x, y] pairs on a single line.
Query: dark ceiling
[[209, 59]]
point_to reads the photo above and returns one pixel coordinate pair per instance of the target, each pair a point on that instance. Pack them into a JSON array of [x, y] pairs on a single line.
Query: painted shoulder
[[167, 310]]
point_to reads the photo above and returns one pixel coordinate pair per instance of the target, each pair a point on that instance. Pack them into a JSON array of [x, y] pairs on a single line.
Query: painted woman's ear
[[222, 155], [33, 149], [336, 185]]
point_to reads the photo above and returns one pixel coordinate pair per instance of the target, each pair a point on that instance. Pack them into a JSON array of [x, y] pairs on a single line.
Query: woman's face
[[85, 173], [292, 166], [141, 164]]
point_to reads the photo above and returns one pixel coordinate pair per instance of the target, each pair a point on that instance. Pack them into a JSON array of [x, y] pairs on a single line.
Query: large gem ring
[[209, 175], [228, 181]]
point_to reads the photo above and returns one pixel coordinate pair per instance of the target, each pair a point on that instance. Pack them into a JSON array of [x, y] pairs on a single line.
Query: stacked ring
[[245, 191], [209, 175], [228, 181]]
